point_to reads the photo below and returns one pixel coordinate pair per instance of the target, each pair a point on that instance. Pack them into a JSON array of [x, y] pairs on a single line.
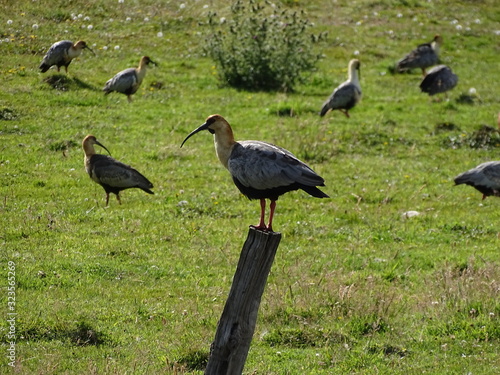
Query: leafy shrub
[[263, 47], [485, 137]]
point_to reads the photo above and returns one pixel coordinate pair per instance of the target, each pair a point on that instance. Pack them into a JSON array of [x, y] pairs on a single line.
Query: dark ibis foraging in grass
[[260, 170], [129, 80], [438, 80], [422, 57], [62, 53], [111, 174], [485, 178], [348, 94]]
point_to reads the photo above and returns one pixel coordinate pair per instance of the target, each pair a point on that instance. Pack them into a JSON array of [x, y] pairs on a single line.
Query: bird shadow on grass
[[83, 334], [62, 82]]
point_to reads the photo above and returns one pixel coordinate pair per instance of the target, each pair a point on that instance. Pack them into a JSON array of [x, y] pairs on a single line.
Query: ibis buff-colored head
[[260, 170], [111, 174], [62, 53], [129, 80], [88, 146], [346, 95]]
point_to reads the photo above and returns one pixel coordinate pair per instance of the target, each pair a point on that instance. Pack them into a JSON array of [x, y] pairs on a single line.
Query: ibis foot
[[262, 228]]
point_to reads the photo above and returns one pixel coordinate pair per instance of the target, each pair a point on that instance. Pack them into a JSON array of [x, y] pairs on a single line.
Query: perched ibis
[[439, 79], [422, 57], [260, 170], [61, 54], [485, 178], [348, 94], [128, 81], [111, 174]]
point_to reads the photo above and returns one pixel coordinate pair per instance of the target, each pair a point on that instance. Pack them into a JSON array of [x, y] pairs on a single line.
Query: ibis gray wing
[[344, 96], [485, 174], [439, 79], [116, 174], [57, 52], [423, 56], [123, 81], [491, 172], [263, 166]]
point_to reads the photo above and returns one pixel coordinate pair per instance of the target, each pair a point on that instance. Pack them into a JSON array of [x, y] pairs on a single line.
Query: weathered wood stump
[[229, 350]]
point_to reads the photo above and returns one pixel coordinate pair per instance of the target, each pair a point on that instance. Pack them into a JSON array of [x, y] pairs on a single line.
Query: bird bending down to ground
[[61, 54], [347, 95], [111, 174], [128, 81], [484, 178], [439, 79], [424, 56], [260, 170]]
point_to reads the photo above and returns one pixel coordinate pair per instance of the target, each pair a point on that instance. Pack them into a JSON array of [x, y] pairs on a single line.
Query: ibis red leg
[[272, 207], [262, 225]]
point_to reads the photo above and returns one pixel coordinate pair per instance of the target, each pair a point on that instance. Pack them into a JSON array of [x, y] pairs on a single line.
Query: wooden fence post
[[229, 349]]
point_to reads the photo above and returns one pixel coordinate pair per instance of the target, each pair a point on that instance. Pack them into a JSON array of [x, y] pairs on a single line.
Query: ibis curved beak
[[153, 62], [100, 144], [87, 47], [202, 127]]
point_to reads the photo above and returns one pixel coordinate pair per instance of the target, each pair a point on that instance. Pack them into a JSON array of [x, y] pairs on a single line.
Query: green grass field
[[356, 287]]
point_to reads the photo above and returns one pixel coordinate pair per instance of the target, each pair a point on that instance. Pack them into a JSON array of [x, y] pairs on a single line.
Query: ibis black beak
[[87, 47], [202, 127], [153, 62], [100, 144]]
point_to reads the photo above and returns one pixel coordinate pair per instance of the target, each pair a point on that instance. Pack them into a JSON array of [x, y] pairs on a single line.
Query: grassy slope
[[355, 287]]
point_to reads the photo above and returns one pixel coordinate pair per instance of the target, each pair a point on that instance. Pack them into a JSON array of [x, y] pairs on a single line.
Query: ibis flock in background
[[262, 170]]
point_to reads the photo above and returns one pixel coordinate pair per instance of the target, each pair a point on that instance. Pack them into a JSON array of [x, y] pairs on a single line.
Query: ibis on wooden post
[[348, 94], [129, 80], [438, 80], [422, 57], [62, 53], [111, 174], [260, 170]]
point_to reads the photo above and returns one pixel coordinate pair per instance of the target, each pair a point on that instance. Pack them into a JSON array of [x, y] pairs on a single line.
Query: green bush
[[263, 47]]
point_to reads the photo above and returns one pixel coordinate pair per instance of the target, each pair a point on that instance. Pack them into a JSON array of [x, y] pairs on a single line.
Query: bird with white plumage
[[260, 170], [62, 53], [112, 175], [422, 57], [348, 94], [129, 80]]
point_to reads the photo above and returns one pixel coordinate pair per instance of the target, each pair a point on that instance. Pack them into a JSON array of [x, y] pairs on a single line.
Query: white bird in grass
[[61, 54], [439, 79], [422, 57], [348, 94], [260, 170], [484, 178], [111, 174], [128, 81]]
